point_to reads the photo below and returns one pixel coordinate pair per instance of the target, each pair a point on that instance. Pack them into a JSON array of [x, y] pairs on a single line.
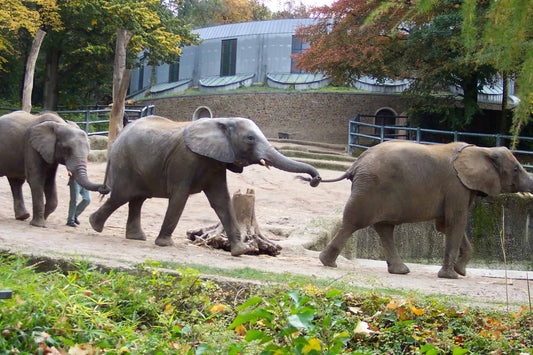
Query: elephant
[[402, 182], [32, 146], [158, 157]]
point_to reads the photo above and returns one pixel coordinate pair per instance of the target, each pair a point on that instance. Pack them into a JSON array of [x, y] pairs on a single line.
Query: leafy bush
[[90, 311]]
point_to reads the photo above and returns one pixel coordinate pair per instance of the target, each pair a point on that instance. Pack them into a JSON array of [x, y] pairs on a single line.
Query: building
[[232, 56]]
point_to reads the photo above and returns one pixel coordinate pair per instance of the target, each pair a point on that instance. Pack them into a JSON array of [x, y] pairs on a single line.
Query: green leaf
[[333, 293], [254, 334], [459, 351], [243, 318], [301, 320], [252, 301]]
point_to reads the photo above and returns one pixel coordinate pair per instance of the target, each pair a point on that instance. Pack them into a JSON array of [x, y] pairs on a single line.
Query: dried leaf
[[218, 308], [82, 349], [240, 330], [362, 328]]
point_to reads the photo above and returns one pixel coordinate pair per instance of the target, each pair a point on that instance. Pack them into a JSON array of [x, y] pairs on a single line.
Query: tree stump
[[244, 207]]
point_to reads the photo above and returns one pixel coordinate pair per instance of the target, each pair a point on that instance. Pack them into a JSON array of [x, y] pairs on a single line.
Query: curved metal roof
[[253, 28]]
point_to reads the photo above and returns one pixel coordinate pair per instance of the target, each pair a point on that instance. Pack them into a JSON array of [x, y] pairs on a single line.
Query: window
[[174, 72], [229, 57], [297, 47]]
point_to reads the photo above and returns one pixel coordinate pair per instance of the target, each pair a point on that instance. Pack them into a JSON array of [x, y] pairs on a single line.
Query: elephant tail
[[346, 175], [104, 190]]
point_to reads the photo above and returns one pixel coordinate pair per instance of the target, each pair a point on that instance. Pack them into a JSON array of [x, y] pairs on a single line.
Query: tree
[[205, 13], [36, 17], [398, 40], [292, 9], [142, 26], [504, 40]]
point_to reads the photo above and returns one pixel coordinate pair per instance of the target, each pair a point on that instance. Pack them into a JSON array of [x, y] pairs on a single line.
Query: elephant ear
[[42, 138], [477, 170], [209, 137]]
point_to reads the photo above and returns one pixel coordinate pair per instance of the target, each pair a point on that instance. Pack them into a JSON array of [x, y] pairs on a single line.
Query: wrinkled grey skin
[[400, 182], [157, 157], [31, 148]]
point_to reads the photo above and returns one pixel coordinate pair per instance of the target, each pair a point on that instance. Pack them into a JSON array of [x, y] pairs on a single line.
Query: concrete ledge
[[507, 215]]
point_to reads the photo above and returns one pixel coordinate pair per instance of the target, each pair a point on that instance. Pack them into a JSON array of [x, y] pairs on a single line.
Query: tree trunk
[[244, 207], [116, 122], [30, 70], [121, 78], [50, 82], [505, 97]]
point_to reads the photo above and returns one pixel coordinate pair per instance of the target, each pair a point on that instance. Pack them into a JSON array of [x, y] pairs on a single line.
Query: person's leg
[[74, 190], [85, 201]]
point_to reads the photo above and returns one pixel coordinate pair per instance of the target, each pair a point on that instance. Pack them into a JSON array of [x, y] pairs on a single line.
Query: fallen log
[[215, 237]]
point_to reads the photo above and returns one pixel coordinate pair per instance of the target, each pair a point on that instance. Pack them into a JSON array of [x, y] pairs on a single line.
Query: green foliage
[[419, 41], [155, 312]]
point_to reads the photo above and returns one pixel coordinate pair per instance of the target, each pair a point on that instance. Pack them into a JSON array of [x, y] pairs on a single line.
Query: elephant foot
[[240, 248], [94, 224], [327, 260], [164, 241], [38, 223], [460, 269], [445, 273], [22, 216], [136, 235], [400, 268]]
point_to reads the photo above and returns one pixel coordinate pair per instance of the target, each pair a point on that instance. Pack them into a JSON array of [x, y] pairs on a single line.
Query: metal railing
[[99, 118], [382, 133]]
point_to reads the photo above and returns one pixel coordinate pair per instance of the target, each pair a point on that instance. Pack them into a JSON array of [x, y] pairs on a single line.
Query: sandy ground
[[285, 206]]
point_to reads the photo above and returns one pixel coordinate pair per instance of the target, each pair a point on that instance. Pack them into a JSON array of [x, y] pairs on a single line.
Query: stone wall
[[318, 117]]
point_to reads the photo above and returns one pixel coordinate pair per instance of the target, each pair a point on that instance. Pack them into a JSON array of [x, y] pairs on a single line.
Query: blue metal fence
[[86, 118], [372, 134]]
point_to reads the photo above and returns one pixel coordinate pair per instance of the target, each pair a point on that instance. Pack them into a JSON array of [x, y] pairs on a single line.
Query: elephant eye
[[250, 139]]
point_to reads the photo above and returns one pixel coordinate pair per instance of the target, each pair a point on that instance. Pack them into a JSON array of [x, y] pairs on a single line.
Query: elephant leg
[[455, 240], [37, 195], [386, 236], [176, 204], [97, 218], [465, 254], [353, 219], [50, 194], [18, 200], [329, 255], [219, 199], [133, 226]]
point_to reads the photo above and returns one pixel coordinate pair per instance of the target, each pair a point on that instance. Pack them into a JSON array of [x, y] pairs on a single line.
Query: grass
[[90, 311]]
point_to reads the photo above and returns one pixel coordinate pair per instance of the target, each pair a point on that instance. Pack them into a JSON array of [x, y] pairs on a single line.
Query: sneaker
[[71, 224], [76, 220]]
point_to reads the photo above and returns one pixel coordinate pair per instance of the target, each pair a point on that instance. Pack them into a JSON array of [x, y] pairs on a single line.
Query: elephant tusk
[[264, 163]]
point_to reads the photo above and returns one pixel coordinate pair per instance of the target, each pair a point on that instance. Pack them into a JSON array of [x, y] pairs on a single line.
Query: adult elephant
[[31, 148], [400, 182], [157, 157]]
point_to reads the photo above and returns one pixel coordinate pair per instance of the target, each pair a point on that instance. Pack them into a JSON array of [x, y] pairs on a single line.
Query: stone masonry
[[317, 117]]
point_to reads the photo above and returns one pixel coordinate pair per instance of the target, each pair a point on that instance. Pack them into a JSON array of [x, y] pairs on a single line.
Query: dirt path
[[284, 205]]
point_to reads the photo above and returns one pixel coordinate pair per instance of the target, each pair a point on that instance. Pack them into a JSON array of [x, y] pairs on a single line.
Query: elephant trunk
[[281, 162], [527, 185], [79, 172]]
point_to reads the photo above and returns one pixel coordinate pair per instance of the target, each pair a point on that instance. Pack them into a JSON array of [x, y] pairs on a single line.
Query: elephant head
[[239, 142], [65, 144], [492, 170]]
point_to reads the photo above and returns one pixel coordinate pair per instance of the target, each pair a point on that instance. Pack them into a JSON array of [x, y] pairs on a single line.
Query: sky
[[276, 5]]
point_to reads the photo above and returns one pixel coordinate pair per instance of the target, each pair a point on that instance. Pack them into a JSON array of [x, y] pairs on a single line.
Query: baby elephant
[[401, 182], [157, 157]]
